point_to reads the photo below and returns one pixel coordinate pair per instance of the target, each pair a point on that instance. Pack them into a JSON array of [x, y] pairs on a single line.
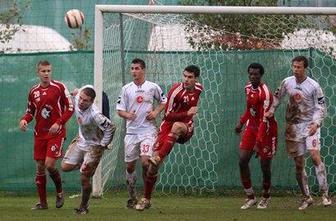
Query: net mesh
[[223, 46]]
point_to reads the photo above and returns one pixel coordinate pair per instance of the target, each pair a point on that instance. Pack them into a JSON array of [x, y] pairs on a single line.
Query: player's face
[[44, 73], [254, 76], [138, 73], [189, 80], [298, 69], [84, 101]]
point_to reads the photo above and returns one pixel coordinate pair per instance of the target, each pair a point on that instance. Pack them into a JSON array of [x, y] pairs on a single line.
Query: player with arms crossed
[[85, 151], [260, 135], [136, 105], [177, 126], [51, 105], [304, 115]]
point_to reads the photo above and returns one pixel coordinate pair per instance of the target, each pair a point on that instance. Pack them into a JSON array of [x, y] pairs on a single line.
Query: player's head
[[86, 98], [138, 67], [190, 76], [255, 72], [44, 70], [299, 65]]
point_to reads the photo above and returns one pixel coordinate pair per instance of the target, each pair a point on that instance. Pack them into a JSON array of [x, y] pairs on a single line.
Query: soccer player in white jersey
[[85, 151], [304, 115], [136, 106]]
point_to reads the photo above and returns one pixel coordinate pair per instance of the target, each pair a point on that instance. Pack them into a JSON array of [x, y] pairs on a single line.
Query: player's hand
[[312, 128], [131, 116], [268, 114], [23, 125], [74, 92], [151, 115], [238, 127], [192, 111], [54, 128]]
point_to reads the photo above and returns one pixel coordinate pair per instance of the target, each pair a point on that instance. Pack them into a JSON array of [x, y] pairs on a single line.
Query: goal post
[[222, 40]]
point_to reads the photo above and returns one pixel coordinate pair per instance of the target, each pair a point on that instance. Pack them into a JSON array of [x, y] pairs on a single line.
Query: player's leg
[[296, 150], [131, 156], [266, 150], [314, 146], [178, 132], [245, 177], [54, 152], [88, 168], [40, 147], [245, 153], [151, 178]]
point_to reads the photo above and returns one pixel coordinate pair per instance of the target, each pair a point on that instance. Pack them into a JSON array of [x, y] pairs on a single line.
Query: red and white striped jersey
[[180, 100], [49, 105], [258, 101]]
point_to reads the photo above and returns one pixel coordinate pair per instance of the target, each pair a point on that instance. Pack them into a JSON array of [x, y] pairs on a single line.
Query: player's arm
[[243, 119], [320, 110], [278, 95], [160, 97], [29, 114], [263, 128], [107, 127], [121, 106]]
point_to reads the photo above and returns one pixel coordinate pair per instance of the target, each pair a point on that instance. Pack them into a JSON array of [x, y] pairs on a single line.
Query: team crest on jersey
[[45, 112], [37, 96], [185, 99], [139, 99], [297, 97]]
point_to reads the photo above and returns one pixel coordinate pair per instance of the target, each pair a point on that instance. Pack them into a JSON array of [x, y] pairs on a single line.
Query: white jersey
[[94, 127], [140, 100], [306, 101]]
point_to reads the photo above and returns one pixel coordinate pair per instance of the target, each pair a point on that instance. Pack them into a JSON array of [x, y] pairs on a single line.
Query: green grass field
[[165, 208]]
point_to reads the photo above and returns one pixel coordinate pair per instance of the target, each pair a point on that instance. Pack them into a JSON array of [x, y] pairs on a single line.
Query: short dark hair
[[257, 66], [193, 69], [89, 92], [139, 61], [42, 63], [300, 59]]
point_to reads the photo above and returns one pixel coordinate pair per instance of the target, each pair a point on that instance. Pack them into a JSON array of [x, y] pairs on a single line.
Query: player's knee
[[145, 166], [179, 128], [152, 170]]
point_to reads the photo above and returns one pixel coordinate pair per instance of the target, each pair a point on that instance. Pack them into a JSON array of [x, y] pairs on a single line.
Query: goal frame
[[97, 188]]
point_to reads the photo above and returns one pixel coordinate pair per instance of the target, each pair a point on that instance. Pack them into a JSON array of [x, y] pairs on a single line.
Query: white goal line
[[217, 9]]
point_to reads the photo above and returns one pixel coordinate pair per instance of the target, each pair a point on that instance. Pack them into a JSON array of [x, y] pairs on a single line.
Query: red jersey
[[49, 105], [179, 101], [258, 101]]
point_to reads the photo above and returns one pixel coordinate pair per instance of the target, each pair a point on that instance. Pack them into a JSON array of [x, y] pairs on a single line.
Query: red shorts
[[268, 146], [165, 129], [51, 147]]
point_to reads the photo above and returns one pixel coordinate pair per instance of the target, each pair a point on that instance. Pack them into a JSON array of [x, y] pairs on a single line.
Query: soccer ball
[[74, 18]]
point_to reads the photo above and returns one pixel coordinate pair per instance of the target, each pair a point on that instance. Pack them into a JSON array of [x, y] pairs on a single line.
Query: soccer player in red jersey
[[177, 126], [260, 135], [49, 102]]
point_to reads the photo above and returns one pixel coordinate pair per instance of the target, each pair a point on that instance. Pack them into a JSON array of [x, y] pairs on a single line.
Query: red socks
[[41, 181]]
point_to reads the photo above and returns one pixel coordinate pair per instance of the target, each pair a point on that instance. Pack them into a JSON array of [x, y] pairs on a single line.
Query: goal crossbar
[[217, 9]]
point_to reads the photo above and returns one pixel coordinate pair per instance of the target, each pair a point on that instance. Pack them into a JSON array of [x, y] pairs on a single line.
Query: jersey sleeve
[[122, 100], [278, 95], [159, 95], [68, 106], [320, 107], [267, 100], [106, 126], [30, 111]]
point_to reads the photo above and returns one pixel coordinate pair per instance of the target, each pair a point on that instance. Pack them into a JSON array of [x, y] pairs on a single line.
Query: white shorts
[[137, 145], [299, 148], [88, 159]]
